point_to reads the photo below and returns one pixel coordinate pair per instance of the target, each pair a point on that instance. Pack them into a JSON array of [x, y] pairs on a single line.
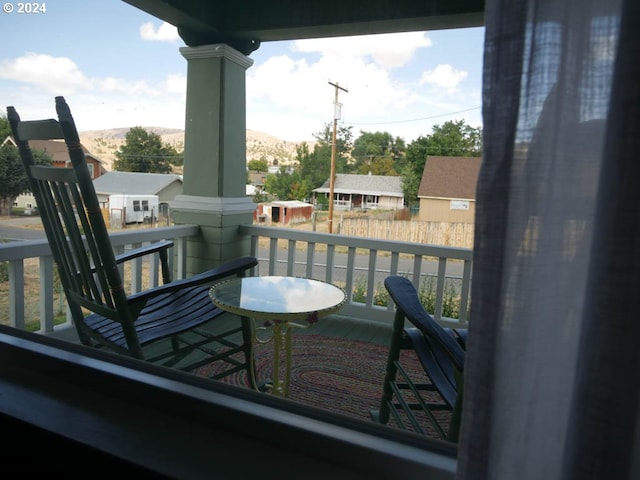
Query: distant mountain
[[260, 145]]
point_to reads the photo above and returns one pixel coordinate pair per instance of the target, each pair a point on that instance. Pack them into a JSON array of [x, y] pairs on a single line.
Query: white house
[[365, 192]]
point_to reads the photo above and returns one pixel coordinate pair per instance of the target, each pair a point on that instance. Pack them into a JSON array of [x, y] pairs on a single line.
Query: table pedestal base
[[282, 338]]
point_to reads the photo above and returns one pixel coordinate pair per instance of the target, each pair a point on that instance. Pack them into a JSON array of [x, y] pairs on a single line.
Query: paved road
[[383, 266], [17, 228]]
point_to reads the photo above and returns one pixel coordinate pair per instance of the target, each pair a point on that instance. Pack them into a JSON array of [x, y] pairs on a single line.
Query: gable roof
[[390, 186], [450, 177], [134, 183], [56, 148]]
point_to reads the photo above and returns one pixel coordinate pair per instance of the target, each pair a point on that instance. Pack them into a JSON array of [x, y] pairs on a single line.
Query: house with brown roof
[[447, 191], [60, 155], [60, 159]]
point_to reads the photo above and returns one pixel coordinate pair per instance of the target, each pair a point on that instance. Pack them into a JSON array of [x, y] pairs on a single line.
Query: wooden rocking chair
[[441, 352], [174, 324]]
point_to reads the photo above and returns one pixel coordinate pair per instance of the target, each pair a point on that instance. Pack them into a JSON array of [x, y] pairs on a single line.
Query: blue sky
[[119, 67]]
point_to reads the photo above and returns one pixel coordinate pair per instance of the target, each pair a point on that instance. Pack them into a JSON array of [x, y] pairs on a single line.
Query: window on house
[[136, 206]]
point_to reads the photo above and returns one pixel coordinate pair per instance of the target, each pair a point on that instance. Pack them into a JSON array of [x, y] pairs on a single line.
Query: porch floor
[[350, 329], [346, 328]]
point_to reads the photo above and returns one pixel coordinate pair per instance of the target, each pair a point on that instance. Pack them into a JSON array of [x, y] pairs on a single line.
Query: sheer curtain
[[552, 375]]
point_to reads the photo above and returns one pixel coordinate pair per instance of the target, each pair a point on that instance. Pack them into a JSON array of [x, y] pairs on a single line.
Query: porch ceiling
[[244, 24]]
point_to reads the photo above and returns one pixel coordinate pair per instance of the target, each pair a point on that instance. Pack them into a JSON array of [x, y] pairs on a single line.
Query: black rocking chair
[[411, 400], [174, 324]]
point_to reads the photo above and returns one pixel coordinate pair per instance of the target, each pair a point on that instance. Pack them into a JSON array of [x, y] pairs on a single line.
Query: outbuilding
[[284, 212]]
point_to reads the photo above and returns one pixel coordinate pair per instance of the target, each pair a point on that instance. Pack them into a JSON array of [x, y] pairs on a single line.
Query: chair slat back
[[73, 221]]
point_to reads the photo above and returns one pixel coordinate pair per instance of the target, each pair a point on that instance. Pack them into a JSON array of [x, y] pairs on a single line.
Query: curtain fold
[[552, 372]]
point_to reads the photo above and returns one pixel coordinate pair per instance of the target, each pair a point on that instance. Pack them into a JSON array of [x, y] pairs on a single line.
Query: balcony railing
[[18, 253], [359, 265]]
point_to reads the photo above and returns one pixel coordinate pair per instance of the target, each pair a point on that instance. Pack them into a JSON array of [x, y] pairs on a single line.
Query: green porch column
[[214, 194]]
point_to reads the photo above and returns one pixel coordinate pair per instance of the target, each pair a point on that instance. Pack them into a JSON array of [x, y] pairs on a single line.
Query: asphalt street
[[17, 228]]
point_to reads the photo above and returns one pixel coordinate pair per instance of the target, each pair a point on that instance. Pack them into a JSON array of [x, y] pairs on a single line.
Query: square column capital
[[217, 51]]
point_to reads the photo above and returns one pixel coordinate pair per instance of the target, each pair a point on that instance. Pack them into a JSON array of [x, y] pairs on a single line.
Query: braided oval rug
[[339, 375]]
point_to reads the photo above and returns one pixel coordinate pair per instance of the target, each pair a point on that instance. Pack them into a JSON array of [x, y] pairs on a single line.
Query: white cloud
[[118, 85], [59, 75], [176, 83], [164, 33], [97, 103], [444, 76], [62, 76], [390, 50], [297, 84]]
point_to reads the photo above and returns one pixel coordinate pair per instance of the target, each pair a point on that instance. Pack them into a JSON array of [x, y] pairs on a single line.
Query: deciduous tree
[[5, 128], [144, 151], [455, 139], [378, 152], [286, 185], [316, 166], [258, 165], [13, 179]]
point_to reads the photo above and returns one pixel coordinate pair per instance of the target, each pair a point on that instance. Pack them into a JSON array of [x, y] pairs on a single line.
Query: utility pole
[[332, 177]]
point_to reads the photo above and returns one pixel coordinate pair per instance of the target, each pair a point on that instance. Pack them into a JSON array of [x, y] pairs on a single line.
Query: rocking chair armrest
[[236, 266], [144, 250]]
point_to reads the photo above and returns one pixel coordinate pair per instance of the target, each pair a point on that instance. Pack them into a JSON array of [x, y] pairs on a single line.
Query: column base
[[219, 218]]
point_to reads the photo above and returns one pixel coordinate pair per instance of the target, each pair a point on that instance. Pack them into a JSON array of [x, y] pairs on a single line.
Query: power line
[[416, 119]]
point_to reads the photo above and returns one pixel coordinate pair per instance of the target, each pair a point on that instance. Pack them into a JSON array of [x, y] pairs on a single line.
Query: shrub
[[426, 293]]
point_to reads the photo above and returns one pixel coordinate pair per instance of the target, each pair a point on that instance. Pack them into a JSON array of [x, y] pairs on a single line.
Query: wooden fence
[[432, 233]]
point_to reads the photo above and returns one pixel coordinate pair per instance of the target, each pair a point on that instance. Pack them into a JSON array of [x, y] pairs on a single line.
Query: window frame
[[102, 406]]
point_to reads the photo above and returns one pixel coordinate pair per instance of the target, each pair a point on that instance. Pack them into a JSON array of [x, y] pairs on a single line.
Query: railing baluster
[[311, 249], [181, 258], [464, 292], [136, 272], [46, 297], [291, 258], [331, 250], [395, 261], [442, 267], [371, 277], [417, 268], [154, 269], [16, 294], [273, 255], [351, 261]]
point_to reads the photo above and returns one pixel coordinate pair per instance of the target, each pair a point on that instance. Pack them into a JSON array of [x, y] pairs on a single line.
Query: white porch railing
[[18, 252], [359, 265], [354, 263]]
